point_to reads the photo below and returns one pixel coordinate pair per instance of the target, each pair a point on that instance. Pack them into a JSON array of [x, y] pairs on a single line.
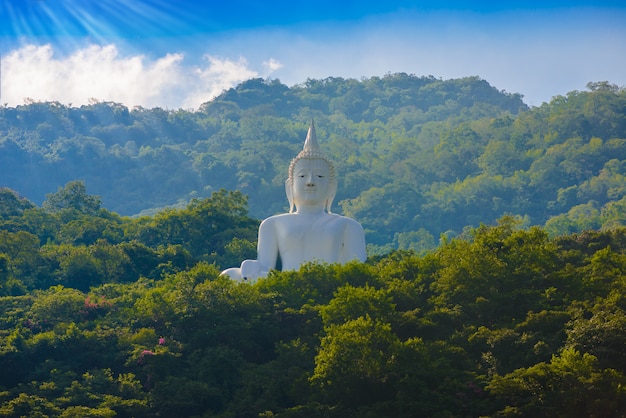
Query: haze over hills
[[416, 156]]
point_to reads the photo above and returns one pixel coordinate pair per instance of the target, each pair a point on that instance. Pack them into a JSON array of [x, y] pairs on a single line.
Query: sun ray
[[99, 20]]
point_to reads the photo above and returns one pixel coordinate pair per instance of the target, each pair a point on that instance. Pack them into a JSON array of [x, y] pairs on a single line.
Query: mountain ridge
[[442, 154]]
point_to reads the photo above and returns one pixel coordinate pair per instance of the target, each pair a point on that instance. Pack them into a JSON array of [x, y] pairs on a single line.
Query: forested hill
[[103, 315], [416, 156]]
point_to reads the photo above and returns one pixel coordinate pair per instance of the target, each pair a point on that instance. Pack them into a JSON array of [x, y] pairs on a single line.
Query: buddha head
[[311, 176]]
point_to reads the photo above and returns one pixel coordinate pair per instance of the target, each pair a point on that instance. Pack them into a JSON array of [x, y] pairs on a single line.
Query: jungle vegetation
[[495, 284], [417, 157], [110, 316]]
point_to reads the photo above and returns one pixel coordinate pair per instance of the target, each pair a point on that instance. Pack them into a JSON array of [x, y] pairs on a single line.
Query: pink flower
[[144, 353], [161, 341]]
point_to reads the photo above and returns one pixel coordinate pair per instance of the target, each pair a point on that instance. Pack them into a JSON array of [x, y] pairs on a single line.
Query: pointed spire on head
[[311, 147], [310, 143]]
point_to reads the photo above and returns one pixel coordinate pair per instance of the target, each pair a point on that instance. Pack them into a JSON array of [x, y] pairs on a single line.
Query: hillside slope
[[416, 156]]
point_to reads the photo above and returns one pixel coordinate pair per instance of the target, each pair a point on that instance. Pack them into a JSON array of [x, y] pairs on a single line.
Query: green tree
[[58, 304], [351, 303], [498, 277], [603, 335], [356, 361], [72, 196], [23, 259], [570, 385], [76, 266], [11, 204], [25, 405]]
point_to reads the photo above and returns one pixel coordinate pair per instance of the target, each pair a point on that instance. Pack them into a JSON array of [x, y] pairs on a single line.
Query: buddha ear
[[289, 192], [332, 190]]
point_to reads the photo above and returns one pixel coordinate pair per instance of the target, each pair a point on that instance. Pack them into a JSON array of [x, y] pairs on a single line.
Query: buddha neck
[[310, 210]]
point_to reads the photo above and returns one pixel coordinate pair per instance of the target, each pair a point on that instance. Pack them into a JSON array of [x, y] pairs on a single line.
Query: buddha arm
[[267, 246], [353, 243]]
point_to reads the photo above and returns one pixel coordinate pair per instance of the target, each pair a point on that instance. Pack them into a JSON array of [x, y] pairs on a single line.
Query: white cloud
[[272, 65], [100, 72], [516, 52], [218, 76]]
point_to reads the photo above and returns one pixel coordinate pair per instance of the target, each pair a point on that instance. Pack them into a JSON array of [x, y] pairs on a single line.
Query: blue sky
[[179, 54]]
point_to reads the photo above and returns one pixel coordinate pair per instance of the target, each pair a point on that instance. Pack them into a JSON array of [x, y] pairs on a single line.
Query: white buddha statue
[[311, 233]]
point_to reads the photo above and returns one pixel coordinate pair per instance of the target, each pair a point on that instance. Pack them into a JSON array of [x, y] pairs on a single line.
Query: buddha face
[[311, 182]]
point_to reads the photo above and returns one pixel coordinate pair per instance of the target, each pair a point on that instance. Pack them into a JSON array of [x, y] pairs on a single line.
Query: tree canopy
[[495, 283], [415, 156], [104, 315]]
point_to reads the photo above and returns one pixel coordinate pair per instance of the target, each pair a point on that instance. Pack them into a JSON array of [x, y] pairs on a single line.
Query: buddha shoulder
[[319, 220]]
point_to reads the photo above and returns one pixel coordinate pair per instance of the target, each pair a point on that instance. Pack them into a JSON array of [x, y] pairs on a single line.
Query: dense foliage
[[108, 316], [417, 157], [103, 314]]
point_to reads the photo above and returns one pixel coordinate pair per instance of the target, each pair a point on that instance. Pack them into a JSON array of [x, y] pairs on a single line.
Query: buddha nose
[[309, 181]]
